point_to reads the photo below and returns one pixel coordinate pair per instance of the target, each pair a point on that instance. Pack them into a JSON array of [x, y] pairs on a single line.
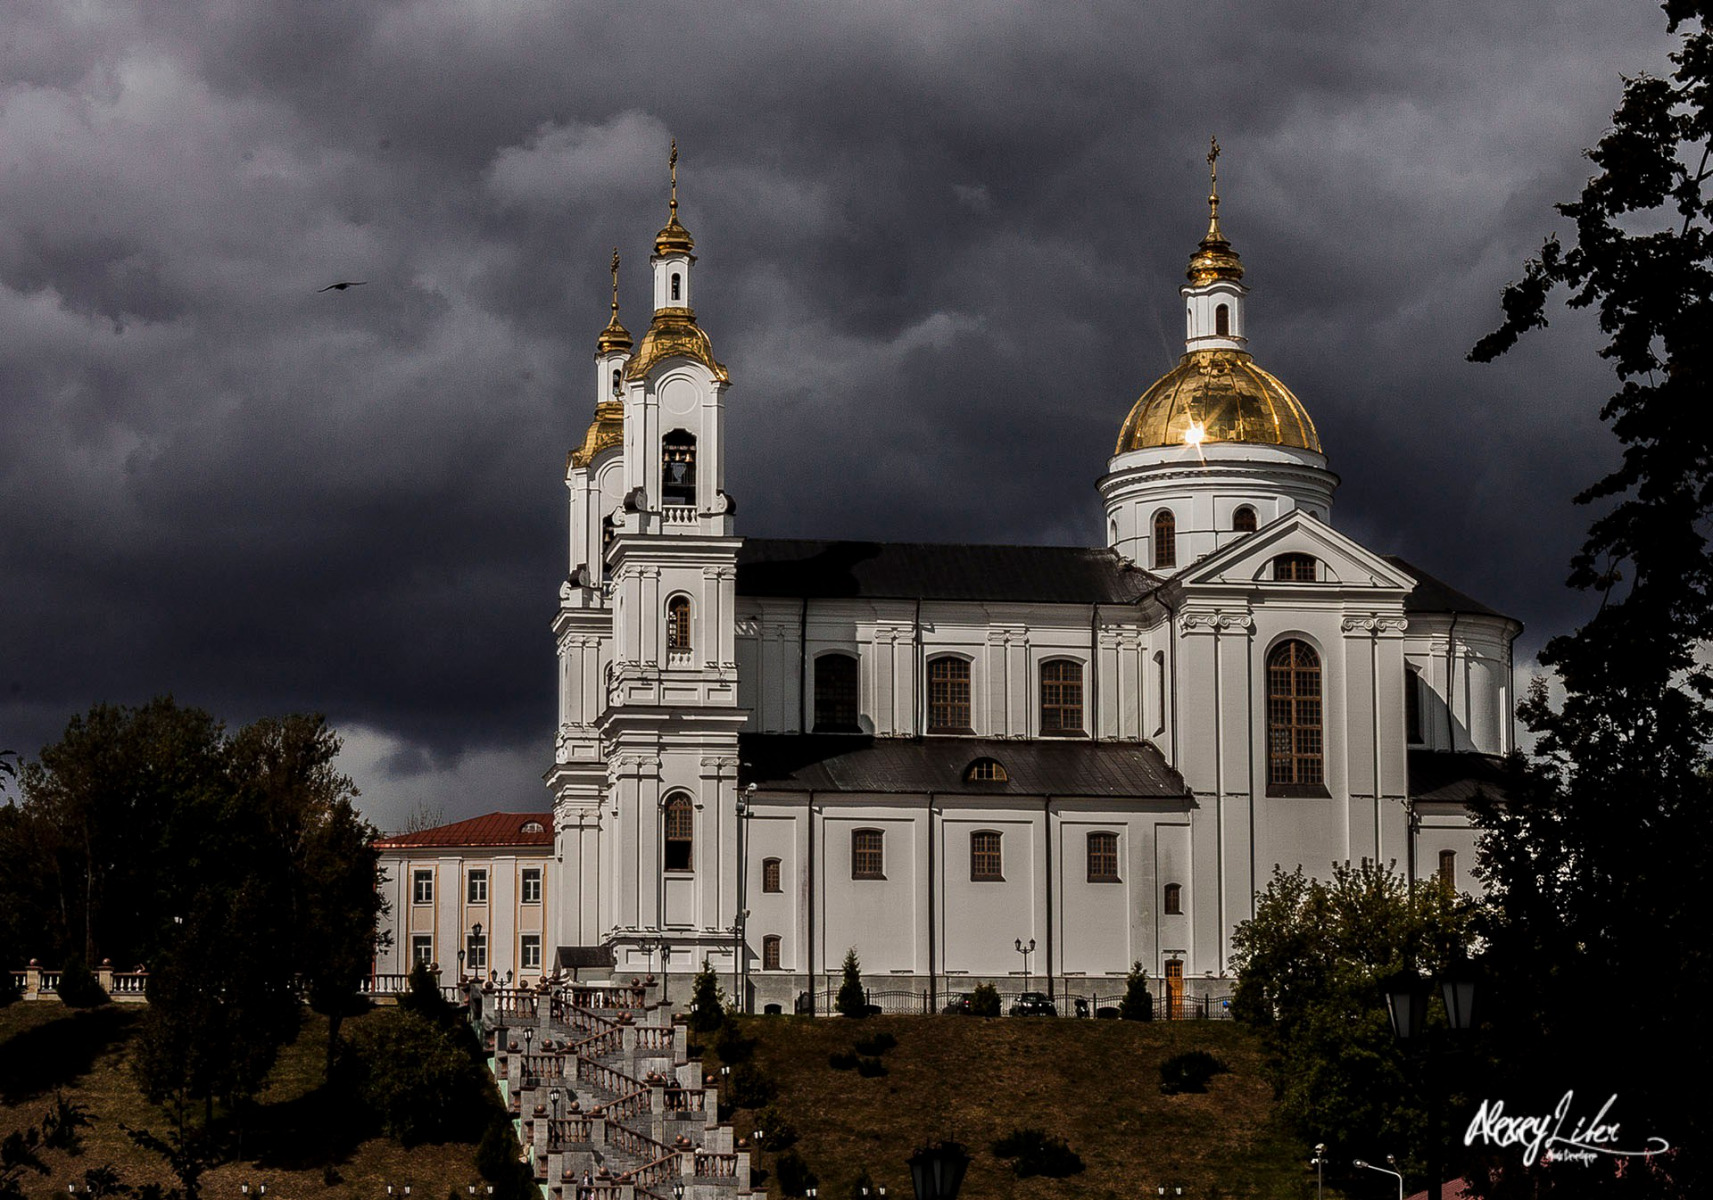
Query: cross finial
[[1213, 175], [615, 282], [672, 165]]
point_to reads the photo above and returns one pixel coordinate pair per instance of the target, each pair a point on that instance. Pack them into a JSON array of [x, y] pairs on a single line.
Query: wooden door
[[1175, 990]]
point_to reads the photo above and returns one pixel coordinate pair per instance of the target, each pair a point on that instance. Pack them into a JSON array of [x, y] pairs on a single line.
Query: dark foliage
[[852, 1000], [1189, 1072], [1137, 1004], [423, 997], [842, 1061], [731, 1044], [870, 1068], [793, 1174], [1037, 1154], [984, 1001], [781, 1134], [751, 1087], [707, 1003], [78, 987], [419, 1078], [877, 1045]]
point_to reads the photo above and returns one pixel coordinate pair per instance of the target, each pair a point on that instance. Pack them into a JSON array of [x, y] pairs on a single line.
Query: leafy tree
[[1311, 965], [852, 1000], [1137, 1004], [984, 1000], [78, 987], [1587, 862], [418, 1077], [21, 1150], [707, 1002], [423, 997]]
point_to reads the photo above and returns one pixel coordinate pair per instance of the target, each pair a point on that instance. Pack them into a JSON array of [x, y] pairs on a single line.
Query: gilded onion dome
[[673, 237], [1217, 396], [1214, 258], [607, 429], [615, 336], [674, 334]]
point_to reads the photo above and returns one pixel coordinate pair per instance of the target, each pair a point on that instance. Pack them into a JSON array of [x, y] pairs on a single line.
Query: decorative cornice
[[1215, 621], [1373, 624]]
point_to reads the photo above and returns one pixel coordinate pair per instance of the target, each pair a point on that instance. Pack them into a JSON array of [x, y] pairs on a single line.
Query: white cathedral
[[1031, 765]]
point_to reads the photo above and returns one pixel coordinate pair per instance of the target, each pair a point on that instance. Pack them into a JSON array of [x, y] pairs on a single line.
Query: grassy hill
[[292, 1138], [1096, 1084]]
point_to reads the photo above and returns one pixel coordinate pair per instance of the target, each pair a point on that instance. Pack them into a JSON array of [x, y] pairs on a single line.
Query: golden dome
[[1214, 258], [607, 429], [614, 336], [1217, 396], [674, 238], [674, 334]]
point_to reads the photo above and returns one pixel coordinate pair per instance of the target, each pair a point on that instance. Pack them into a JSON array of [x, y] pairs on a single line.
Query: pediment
[[1343, 563]]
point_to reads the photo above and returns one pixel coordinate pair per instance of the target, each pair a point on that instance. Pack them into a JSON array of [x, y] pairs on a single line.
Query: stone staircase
[[600, 1084]]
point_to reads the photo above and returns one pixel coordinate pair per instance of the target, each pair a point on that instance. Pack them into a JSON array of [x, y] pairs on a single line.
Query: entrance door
[[1175, 989]]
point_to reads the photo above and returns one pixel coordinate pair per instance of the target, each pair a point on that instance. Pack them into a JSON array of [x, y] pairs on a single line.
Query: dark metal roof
[[569, 958], [833, 763], [1455, 776], [1437, 596], [925, 571]]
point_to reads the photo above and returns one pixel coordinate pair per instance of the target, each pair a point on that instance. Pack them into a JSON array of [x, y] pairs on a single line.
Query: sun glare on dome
[[1195, 434]]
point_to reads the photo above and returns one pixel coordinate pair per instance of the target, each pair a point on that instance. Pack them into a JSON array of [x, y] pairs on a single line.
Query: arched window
[[1061, 698], [677, 286], [1222, 320], [1243, 520], [678, 469], [770, 875], [678, 623], [985, 862], [1103, 857], [1165, 539], [836, 694], [868, 854], [1412, 706], [1174, 899], [1448, 867], [1294, 568], [616, 376], [1294, 745], [680, 833], [770, 952], [949, 695], [986, 770]]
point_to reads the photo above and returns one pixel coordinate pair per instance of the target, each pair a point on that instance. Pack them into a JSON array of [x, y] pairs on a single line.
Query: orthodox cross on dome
[[672, 166], [615, 283], [1213, 176]]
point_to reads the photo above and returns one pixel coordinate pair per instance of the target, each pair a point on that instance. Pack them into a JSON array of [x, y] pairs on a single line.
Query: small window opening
[[1103, 857], [1448, 868], [1243, 520], [985, 858], [1174, 898], [986, 770], [1222, 321], [677, 286], [678, 469], [836, 694], [1294, 568], [1413, 706], [1165, 540], [770, 952], [678, 623], [949, 695], [868, 854], [680, 833], [770, 875], [616, 377]]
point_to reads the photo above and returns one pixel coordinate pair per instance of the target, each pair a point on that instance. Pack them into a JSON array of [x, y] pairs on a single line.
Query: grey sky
[[939, 250]]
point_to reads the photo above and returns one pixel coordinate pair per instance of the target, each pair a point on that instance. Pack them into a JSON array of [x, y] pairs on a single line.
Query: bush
[[422, 996], [416, 1077], [793, 1174], [750, 1087], [880, 1043], [984, 1001], [731, 1045], [1137, 1004], [707, 1004], [869, 1068], [852, 1001], [842, 1061], [499, 1160], [781, 1134], [1037, 1154], [1189, 1072], [78, 987]]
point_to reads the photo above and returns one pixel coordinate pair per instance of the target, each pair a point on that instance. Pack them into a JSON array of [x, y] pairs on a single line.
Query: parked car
[[959, 1004], [1034, 1004]]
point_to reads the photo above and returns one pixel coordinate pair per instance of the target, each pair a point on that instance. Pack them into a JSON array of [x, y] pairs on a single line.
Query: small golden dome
[[1217, 396], [674, 238], [1214, 258], [674, 334], [615, 336], [607, 429]]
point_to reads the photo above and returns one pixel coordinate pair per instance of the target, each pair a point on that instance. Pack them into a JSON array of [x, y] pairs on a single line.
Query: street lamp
[[1025, 951], [937, 1171], [1318, 1162], [1384, 1171]]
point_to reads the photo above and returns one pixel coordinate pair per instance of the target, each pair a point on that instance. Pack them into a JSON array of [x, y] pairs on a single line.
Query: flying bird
[[342, 286]]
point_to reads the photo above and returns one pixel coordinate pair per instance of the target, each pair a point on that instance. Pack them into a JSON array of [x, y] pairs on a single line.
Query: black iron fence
[[824, 1002]]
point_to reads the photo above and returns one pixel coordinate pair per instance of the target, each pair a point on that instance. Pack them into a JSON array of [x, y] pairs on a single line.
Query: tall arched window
[[770, 952], [1222, 320], [1294, 742], [1243, 520], [678, 623], [985, 861], [1448, 867], [1294, 568], [1165, 539], [868, 854], [679, 833], [677, 286], [1103, 857], [1061, 698], [770, 875], [1412, 706], [949, 695], [678, 468], [836, 694]]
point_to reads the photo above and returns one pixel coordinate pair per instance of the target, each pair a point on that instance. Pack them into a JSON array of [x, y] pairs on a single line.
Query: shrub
[[1137, 1004], [793, 1174], [852, 1001], [422, 996], [984, 1001], [880, 1043], [842, 1061], [1189, 1072], [731, 1045], [78, 987], [750, 1087], [1037, 1154], [416, 1077], [707, 1004], [499, 1160], [869, 1068], [781, 1134]]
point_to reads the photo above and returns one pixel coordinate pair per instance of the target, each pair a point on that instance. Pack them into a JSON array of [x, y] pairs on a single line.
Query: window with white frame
[[475, 952], [531, 885], [477, 889], [422, 948], [529, 952], [422, 887]]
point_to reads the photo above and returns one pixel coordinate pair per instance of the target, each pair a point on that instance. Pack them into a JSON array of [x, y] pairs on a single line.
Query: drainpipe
[[809, 816], [803, 668], [933, 995], [1093, 672], [1047, 826], [918, 718]]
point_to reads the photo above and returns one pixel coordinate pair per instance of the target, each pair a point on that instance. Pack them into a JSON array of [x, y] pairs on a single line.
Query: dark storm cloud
[[940, 251]]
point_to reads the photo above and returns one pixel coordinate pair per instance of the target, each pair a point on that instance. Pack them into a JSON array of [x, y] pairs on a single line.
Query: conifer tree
[[852, 1000]]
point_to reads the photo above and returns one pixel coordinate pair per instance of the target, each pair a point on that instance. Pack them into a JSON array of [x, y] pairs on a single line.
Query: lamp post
[[1318, 1162], [1025, 951], [1406, 1005], [1384, 1171]]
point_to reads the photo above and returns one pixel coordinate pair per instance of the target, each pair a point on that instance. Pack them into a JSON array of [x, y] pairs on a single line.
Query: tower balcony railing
[[678, 514]]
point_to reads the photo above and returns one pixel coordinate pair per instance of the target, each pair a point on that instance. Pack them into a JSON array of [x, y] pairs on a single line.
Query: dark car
[[959, 1004], [1034, 1004]]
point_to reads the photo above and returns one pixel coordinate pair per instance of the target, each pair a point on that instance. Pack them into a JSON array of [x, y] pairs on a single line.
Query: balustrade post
[[33, 980], [104, 975]]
